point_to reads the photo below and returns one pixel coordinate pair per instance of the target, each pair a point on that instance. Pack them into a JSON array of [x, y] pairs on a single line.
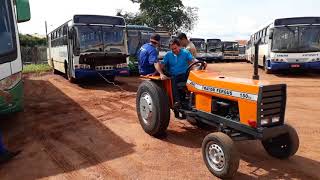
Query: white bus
[[11, 12], [200, 45], [89, 46], [214, 50], [165, 38], [230, 50], [289, 43]]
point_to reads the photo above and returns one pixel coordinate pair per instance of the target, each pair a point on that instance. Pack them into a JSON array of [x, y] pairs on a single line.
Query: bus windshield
[[7, 31], [113, 36], [231, 46], [200, 45], [214, 45], [242, 50], [296, 39], [164, 43], [96, 38]]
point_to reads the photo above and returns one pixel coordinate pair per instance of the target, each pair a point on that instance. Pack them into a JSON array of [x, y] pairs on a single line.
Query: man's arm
[[158, 67]]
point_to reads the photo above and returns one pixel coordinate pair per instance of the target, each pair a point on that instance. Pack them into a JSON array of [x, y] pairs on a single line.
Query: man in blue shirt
[[177, 62], [148, 56]]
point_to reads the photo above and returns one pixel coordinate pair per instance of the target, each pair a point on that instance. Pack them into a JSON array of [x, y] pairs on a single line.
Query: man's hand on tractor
[[163, 77]]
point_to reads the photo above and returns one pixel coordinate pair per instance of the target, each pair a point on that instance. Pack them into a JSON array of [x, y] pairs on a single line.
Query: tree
[[171, 15], [131, 18], [31, 41]]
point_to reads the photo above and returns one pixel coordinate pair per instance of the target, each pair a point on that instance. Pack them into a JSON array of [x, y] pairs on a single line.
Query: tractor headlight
[[275, 119], [264, 121]]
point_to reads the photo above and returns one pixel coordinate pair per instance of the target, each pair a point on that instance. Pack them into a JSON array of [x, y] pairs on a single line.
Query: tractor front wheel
[[153, 108], [284, 145], [220, 155]]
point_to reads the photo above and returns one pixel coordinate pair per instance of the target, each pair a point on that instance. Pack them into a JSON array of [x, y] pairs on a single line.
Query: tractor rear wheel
[[220, 155], [284, 145], [153, 111]]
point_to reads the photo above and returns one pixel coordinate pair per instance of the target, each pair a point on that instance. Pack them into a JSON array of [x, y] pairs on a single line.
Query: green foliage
[[36, 68], [31, 41], [170, 15]]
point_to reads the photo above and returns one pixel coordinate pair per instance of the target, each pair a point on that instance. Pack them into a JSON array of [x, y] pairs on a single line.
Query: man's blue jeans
[[176, 92]]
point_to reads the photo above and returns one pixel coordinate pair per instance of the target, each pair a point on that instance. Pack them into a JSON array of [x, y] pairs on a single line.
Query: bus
[[137, 36], [230, 50], [242, 52], [165, 38], [200, 45], [11, 13], [249, 56], [288, 43], [89, 46], [214, 50]]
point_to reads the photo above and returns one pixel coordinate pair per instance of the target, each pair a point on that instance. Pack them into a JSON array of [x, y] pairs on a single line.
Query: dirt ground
[[91, 131]]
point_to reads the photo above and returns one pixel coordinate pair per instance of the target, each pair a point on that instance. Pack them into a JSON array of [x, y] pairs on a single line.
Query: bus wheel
[[220, 155], [55, 71], [68, 74]]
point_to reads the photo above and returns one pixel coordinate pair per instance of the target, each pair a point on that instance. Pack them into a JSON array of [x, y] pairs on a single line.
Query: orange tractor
[[240, 109]]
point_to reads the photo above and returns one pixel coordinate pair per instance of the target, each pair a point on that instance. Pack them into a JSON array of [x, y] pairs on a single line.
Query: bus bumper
[[16, 104], [287, 66], [90, 73]]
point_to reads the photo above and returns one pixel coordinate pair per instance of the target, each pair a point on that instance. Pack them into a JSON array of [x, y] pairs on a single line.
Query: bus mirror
[[23, 10], [271, 34]]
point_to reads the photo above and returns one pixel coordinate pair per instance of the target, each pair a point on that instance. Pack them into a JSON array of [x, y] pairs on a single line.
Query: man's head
[[183, 39], [175, 46], [155, 39]]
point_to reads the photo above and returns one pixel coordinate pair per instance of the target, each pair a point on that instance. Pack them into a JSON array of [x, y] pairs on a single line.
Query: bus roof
[[213, 39], [139, 27], [99, 19], [297, 20]]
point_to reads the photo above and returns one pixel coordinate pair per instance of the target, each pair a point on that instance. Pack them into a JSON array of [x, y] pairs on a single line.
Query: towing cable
[[109, 82]]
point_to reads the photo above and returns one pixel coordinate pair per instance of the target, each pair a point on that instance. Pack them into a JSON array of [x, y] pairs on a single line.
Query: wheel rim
[[215, 156], [146, 108]]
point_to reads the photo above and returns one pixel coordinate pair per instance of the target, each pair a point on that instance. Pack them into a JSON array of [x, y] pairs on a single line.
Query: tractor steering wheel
[[201, 67]]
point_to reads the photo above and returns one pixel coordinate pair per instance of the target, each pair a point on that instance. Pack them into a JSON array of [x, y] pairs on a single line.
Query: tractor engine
[[225, 108]]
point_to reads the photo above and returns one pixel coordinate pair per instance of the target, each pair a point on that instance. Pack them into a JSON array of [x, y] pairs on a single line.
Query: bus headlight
[[11, 81]]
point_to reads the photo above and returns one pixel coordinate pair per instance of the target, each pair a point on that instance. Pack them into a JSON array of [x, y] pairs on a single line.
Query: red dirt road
[[91, 131]]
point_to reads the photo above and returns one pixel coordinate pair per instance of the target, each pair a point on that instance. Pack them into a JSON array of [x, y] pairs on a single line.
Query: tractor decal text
[[227, 92]]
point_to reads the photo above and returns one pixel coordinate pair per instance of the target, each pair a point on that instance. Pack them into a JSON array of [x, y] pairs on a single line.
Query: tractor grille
[[271, 105]]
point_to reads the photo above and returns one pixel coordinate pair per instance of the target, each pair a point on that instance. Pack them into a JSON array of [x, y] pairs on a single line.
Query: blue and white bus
[[289, 43], [137, 36], [89, 45], [11, 13]]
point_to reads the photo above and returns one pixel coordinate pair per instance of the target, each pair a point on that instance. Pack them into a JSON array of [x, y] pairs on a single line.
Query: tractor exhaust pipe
[[255, 62]]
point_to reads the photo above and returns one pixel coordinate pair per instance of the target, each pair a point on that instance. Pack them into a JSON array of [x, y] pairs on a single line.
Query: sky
[[224, 19]]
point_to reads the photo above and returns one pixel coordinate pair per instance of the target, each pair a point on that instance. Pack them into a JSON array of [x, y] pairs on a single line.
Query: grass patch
[[36, 68]]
